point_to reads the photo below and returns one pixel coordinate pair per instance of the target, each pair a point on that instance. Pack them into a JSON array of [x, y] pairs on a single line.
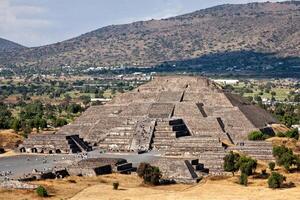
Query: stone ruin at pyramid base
[[187, 119]]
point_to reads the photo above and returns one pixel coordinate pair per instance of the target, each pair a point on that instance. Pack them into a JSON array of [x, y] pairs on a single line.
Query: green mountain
[[260, 27]]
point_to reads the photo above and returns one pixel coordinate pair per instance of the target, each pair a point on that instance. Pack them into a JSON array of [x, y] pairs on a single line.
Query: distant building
[[226, 81], [100, 100]]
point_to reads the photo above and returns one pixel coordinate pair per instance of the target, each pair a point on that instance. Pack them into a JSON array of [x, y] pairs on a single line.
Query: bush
[[243, 179], [257, 135], [150, 174], [230, 161], [286, 160], [285, 157], [272, 166], [276, 180], [141, 169], [297, 162], [279, 150], [115, 185], [292, 134], [41, 191], [246, 165], [280, 134], [60, 122]]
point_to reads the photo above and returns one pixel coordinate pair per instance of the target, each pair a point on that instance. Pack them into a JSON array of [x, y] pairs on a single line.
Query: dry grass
[[131, 187], [280, 128], [9, 139], [287, 142]]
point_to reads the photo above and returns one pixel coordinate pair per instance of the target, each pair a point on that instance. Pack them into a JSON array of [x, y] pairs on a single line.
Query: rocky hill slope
[[259, 27], [8, 46]]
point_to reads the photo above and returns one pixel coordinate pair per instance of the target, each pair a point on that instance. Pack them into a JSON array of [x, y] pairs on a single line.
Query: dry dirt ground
[[131, 187], [9, 139], [287, 142]]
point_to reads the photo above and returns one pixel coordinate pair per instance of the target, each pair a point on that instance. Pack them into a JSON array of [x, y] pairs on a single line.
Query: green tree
[[41, 191], [256, 135], [273, 93], [246, 165], [150, 174], [243, 179], [5, 117], [16, 124], [60, 122], [74, 108], [257, 98], [292, 134], [85, 99], [276, 180], [272, 166], [230, 161], [285, 157]]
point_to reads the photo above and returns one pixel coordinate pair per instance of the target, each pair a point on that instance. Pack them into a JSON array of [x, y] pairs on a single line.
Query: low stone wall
[[75, 171]]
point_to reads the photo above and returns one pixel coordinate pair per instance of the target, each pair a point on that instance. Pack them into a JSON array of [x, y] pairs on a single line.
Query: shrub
[[285, 157], [272, 166], [286, 160], [280, 134], [297, 160], [60, 122], [257, 135], [276, 180], [150, 174], [41, 191], [115, 185], [243, 179], [156, 175], [141, 169], [292, 134], [279, 150], [230, 161], [246, 165]]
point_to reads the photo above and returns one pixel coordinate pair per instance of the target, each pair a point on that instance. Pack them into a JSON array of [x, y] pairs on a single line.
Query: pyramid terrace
[[189, 120]]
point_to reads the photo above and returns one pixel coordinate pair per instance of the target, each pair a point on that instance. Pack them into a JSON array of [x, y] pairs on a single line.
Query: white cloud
[[22, 21]]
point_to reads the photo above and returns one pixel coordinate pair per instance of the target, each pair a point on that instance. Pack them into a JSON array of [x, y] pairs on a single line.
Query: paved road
[[24, 164]]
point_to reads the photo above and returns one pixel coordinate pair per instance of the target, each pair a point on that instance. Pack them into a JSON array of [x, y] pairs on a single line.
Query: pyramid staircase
[[167, 131]]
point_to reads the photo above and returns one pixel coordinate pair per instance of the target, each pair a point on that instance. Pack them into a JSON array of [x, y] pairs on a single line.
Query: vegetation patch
[[41, 191], [150, 174], [276, 180], [286, 158], [257, 135]]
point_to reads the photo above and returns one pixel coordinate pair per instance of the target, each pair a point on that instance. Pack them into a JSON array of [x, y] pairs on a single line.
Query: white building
[[226, 81]]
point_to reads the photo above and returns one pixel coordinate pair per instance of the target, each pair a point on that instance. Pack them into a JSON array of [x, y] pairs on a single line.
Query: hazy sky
[[40, 22]]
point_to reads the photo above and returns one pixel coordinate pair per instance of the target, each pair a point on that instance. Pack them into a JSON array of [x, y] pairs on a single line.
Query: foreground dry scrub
[[131, 187]]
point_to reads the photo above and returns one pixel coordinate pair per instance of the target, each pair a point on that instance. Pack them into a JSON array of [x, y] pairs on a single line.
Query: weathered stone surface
[[98, 166], [17, 185], [185, 117]]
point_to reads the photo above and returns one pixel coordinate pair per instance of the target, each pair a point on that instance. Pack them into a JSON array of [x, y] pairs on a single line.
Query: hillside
[[260, 27], [7, 46]]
